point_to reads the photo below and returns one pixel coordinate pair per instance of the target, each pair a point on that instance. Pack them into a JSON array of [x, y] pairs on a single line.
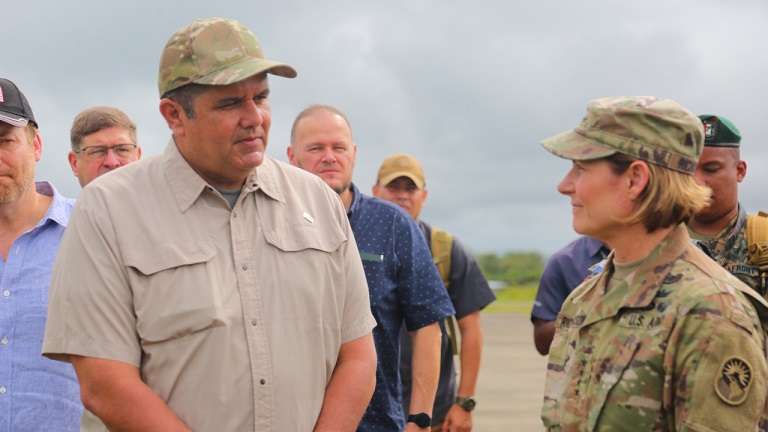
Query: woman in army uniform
[[663, 339]]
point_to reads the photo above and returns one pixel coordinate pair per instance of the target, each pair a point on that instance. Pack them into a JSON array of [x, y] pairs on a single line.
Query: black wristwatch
[[466, 403], [422, 420]]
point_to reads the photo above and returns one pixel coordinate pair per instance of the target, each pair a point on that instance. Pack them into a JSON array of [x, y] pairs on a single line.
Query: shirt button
[[263, 381], [244, 267], [254, 322], [234, 215], [6, 293], [4, 341], [3, 390]]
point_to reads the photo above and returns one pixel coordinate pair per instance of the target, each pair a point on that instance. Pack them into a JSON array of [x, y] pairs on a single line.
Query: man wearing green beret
[[720, 229]]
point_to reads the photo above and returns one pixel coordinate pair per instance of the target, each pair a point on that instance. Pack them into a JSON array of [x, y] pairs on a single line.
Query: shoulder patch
[[734, 380]]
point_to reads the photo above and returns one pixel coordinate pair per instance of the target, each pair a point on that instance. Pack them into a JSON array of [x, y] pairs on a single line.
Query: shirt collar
[[263, 178], [654, 269], [658, 265], [736, 226], [357, 197], [596, 248], [60, 207], [187, 185], [717, 245]]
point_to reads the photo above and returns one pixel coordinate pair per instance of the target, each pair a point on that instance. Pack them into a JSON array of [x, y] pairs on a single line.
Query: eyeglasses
[[122, 151]]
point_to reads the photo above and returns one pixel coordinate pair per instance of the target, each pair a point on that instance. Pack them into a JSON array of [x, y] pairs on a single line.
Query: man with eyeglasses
[[35, 393], [103, 139]]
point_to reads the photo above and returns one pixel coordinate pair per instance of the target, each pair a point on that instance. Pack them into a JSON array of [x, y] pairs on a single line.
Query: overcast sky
[[470, 88]]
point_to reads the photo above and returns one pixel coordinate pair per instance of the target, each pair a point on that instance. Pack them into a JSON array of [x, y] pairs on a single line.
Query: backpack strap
[[757, 244], [441, 243]]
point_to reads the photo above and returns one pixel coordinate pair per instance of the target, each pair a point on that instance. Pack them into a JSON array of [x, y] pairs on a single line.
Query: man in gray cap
[[35, 393], [213, 288], [721, 229]]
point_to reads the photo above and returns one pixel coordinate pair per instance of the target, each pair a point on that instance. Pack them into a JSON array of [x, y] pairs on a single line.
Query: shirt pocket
[[299, 238], [609, 370], [589, 377], [305, 294], [176, 291], [561, 373], [305, 271]]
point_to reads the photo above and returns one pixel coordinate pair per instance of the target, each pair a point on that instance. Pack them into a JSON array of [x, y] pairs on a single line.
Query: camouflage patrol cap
[[659, 131], [214, 51], [719, 131], [400, 165]]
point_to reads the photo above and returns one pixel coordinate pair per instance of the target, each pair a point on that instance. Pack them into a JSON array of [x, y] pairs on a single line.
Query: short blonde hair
[[669, 198], [31, 132]]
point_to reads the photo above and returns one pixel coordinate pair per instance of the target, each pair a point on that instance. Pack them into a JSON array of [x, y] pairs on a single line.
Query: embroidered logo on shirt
[[308, 217], [734, 380]]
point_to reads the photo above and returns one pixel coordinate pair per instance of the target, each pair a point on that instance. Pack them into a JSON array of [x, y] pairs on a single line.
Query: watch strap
[[422, 420]]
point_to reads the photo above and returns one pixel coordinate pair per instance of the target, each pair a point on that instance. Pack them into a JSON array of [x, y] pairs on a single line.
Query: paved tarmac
[[511, 380]]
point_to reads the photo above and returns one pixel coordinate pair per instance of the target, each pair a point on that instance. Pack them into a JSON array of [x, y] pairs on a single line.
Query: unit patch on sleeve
[[734, 380]]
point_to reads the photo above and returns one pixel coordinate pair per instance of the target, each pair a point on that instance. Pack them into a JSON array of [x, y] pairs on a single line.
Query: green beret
[[719, 131]]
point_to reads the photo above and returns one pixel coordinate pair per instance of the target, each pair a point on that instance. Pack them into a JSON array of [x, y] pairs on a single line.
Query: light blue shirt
[[36, 394]]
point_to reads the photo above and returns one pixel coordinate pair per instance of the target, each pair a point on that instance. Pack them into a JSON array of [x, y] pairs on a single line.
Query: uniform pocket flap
[[301, 237], [167, 256], [611, 371]]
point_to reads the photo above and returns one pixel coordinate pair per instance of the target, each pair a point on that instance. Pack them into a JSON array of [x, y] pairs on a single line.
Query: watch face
[[468, 404]]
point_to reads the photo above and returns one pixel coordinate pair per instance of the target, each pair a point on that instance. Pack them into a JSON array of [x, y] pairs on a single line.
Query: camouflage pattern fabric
[[729, 249], [659, 131], [214, 51], [675, 345]]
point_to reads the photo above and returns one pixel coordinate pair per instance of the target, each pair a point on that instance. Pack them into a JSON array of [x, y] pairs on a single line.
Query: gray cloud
[[469, 88]]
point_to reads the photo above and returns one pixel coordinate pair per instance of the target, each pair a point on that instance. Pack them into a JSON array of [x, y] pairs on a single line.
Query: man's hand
[[457, 420]]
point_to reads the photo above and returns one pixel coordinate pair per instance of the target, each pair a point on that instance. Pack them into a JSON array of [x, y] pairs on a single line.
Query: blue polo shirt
[[565, 270], [404, 287], [36, 394]]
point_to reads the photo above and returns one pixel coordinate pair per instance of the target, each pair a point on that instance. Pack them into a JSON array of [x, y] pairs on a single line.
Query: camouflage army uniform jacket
[[673, 347], [729, 249]]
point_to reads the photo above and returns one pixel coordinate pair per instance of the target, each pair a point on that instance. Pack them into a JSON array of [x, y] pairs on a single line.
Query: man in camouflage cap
[[663, 339], [720, 229], [176, 294]]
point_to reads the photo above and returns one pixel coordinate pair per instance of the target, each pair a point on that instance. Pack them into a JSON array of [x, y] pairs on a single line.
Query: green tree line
[[514, 268]]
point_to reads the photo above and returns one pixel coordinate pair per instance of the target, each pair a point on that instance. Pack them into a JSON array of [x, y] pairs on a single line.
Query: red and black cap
[[14, 107]]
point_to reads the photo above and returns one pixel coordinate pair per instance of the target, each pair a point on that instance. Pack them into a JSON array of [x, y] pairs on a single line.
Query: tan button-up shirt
[[234, 317]]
